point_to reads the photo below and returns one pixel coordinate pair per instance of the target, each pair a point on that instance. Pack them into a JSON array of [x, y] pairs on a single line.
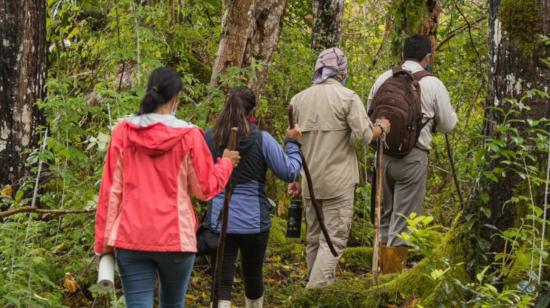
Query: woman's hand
[[233, 156], [294, 133], [294, 189]]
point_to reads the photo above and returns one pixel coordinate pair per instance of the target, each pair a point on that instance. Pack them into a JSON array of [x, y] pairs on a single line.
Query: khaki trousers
[[337, 213], [404, 190]]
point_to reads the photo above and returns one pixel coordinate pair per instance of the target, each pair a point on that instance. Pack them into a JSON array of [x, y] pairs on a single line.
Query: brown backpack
[[398, 100]]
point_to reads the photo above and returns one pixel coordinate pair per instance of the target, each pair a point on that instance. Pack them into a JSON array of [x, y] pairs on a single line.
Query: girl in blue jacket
[[249, 211]]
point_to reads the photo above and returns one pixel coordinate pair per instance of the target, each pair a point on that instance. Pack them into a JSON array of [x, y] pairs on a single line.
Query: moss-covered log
[[357, 258]]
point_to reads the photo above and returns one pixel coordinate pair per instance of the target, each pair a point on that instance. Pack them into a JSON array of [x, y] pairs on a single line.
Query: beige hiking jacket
[[332, 118]]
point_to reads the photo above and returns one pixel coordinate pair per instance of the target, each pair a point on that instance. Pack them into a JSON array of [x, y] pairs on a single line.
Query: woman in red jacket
[[154, 163]]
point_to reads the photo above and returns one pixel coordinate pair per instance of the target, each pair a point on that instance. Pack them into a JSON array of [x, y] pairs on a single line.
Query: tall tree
[[516, 66], [430, 23], [415, 17], [327, 24], [22, 80], [250, 31], [236, 27], [267, 26]]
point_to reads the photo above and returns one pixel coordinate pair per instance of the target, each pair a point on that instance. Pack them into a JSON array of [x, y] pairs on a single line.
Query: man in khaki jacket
[[332, 117]]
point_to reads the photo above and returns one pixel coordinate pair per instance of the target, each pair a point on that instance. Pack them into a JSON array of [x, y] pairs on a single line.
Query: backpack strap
[[420, 126], [398, 70], [421, 74]]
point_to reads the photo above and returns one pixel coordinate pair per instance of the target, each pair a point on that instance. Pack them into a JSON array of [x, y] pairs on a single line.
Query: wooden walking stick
[[318, 212], [378, 207], [216, 280]]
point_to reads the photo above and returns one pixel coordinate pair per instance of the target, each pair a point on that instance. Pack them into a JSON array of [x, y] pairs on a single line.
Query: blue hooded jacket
[[249, 211]]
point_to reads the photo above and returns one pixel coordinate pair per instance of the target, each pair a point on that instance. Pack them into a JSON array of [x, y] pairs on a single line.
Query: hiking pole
[[378, 207], [455, 177], [233, 139], [316, 207]]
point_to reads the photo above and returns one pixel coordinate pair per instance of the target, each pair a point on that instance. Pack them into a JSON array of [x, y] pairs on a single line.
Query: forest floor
[[285, 274], [285, 271]]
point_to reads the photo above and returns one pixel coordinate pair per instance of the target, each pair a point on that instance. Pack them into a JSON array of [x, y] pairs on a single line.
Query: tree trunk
[[411, 24], [430, 23], [267, 26], [327, 24], [22, 80], [515, 64], [251, 30], [237, 25]]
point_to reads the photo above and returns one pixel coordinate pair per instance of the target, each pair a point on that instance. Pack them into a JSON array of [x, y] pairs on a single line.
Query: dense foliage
[[100, 53]]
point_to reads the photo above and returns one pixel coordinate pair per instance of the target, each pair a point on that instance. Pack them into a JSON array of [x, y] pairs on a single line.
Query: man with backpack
[[416, 103], [330, 116]]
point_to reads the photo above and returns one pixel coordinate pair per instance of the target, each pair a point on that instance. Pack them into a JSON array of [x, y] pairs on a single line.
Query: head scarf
[[331, 62]]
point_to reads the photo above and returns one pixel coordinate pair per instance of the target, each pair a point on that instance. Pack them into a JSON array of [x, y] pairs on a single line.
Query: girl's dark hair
[[164, 83], [240, 101]]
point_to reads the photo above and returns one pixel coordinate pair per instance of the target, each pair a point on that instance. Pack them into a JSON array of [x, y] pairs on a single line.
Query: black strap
[[420, 126], [418, 76]]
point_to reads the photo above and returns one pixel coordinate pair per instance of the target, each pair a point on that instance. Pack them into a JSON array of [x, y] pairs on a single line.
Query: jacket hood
[[155, 134]]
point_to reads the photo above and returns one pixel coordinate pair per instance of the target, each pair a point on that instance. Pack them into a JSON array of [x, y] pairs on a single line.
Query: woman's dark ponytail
[[240, 101], [164, 83]]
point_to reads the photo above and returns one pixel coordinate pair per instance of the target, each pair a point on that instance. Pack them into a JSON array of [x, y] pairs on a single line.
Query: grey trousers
[[404, 190], [337, 213]]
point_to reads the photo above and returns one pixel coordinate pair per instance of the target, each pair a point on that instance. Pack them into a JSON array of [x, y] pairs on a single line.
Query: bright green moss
[[521, 23], [412, 284], [357, 258]]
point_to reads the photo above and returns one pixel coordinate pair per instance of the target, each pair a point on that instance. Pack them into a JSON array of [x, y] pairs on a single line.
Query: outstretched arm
[[205, 178], [358, 121], [286, 165]]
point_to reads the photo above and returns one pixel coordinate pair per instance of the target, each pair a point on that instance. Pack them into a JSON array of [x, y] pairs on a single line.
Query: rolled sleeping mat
[[106, 272]]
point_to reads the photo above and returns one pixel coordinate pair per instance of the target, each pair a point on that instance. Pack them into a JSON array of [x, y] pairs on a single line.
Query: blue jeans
[[140, 269]]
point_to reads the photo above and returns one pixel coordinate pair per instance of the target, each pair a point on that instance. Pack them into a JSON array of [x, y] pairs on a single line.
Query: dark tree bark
[[251, 30], [409, 25], [327, 24], [22, 80], [430, 23], [515, 67], [267, 26], [236, 28]]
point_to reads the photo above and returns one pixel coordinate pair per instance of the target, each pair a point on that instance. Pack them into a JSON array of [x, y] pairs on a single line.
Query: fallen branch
[[31, 209]]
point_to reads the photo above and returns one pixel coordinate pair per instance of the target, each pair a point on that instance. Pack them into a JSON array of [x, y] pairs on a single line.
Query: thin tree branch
[[387, 32], [469, 26], [32, 209], [457, 31]]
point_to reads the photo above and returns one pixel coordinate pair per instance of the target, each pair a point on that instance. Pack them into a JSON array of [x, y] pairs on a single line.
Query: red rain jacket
[[153, 164]]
